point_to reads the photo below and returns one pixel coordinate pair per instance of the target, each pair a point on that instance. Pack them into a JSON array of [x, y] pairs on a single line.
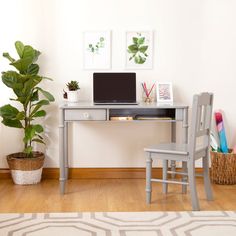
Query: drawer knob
[[86, 115]]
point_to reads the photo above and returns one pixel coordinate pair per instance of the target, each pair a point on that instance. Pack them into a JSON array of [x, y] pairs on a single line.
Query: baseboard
[[96, 173]]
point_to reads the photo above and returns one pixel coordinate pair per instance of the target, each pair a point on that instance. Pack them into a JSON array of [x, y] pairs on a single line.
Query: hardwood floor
[[107, 195]]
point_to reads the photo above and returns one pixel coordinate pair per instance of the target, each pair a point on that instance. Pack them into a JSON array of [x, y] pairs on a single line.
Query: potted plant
[[25, 166], [72, 93]]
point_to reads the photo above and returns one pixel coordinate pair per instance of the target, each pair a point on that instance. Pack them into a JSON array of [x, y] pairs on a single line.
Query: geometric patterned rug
[[202, 223]]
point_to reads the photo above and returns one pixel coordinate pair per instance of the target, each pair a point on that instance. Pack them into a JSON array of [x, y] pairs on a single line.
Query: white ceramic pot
[[73, 96], [26, 177]]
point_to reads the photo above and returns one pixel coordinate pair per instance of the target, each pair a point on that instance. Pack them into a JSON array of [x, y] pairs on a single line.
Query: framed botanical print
[[139, 50], [97, 50]]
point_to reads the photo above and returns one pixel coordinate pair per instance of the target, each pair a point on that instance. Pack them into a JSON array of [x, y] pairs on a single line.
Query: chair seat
[[168, 148]]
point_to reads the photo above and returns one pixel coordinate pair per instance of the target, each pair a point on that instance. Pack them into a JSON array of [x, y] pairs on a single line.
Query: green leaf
[[21, 85], [35, 96], [29, 133], [46, 94], [19, 48], [139, 60], [29, 52], [38, 140], [28, 150], [143, 49], [141, 40], [22, 64], [133, 48], [135, 40], [38, 105], [28, 55], [41, 102], [6, 55], [142, 60], [8, 112], [11, 80], [40, 113], [20, 115], [12, 123], [33, 69], [21, 99], [38, 128], [31, 83], [36, 56]]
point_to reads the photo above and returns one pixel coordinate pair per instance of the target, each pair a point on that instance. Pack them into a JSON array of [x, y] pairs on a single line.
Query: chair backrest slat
[[201, 121], [199, 116]]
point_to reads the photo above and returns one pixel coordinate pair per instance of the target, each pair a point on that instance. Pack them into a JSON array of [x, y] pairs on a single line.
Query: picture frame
[[139, 49], [164, 92], [97, 50]]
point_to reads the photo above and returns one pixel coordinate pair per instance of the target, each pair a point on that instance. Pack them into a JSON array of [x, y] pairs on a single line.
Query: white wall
[[194, 47]]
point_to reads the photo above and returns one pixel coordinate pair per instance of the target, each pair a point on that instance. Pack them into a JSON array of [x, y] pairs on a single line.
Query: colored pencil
[[151, 90], [145, 89]]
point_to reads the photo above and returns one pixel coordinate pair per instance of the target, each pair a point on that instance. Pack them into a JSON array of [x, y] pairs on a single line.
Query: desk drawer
[[85, 114]]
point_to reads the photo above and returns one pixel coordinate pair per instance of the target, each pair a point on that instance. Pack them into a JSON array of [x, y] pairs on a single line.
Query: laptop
[[114, 88]]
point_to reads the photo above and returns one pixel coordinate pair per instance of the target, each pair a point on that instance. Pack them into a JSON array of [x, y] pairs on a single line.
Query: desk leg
[[66, 149], [173, 140], [62, 178], [185, 140]]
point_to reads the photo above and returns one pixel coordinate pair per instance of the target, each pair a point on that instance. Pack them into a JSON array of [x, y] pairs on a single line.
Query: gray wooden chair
[[196, 148]]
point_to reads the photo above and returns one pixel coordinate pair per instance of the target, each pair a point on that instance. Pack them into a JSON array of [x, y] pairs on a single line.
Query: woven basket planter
[[24, 170], [223, 168]]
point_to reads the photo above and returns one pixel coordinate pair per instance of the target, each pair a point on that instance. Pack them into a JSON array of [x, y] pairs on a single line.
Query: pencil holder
[[148, 93], [223, 168]]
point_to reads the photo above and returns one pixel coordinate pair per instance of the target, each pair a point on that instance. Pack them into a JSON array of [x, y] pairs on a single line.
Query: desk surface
[[90, 104]]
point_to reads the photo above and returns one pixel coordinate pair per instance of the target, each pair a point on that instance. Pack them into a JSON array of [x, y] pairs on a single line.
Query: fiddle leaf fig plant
[[25, 84]]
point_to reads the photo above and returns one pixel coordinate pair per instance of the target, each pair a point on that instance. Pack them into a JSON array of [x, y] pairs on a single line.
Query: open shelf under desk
[[141, 114]]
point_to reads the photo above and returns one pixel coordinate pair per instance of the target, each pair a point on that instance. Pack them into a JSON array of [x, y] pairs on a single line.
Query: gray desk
[[87, 111]]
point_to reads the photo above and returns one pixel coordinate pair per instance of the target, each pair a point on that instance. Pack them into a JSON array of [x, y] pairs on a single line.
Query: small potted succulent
[[26, 165], [72, 93]]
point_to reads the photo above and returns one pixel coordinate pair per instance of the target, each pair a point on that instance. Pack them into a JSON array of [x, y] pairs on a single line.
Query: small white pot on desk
[[73, 96]]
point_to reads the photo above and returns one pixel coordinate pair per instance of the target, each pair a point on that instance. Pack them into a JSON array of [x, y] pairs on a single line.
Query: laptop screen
[[114, 87]]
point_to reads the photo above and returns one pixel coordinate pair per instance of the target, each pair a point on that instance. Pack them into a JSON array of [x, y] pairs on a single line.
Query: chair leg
[[207, 183], [164, 176], [192, 186], [148, 178], [184, 178], [173, 168]]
